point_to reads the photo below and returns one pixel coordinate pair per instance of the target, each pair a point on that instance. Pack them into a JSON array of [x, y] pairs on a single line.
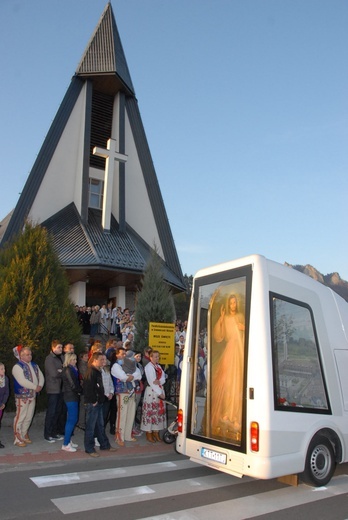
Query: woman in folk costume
[[154, 416]]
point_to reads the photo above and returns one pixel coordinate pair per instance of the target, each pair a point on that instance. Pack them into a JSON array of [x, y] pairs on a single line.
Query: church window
[[96, 188]]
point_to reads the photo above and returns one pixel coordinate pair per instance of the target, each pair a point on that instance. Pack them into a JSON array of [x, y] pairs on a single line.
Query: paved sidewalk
[[43, 451]]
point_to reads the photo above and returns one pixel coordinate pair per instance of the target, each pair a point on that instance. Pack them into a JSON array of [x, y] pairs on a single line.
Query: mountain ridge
[[332, 280]]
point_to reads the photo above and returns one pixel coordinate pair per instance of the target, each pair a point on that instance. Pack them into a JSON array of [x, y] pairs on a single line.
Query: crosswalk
[[265, 503], [184, 481]]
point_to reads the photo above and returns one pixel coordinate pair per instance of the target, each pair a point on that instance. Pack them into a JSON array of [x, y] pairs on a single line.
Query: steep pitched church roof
[[56, 192]]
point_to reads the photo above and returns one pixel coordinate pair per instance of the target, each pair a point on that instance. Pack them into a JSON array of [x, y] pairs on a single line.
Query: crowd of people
[[106, 385], [106, 320]]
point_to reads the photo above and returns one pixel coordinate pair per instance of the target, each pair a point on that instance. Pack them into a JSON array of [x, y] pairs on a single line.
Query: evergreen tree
[[34, 296], [182, 300], [154, 301]]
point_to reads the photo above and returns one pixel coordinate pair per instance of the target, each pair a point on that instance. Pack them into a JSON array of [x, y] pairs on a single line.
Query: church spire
[[104, 52], [103, 225]]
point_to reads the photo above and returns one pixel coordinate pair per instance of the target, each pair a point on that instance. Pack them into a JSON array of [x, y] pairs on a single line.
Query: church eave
[[107, 82]]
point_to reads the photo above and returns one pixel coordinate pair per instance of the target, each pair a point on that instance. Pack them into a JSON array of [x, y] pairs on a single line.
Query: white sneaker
[[96, 443], [69, 448], [73, 445]]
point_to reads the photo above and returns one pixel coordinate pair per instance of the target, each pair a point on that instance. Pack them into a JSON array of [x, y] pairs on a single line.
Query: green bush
[[34, 298]]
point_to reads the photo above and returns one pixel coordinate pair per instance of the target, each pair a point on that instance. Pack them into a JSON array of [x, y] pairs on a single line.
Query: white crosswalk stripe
[[113, 473], [74, 504], [260, 504], [245, 507]]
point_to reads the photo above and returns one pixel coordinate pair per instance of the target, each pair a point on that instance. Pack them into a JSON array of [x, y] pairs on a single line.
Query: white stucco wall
[[120, 294], [62, 183]]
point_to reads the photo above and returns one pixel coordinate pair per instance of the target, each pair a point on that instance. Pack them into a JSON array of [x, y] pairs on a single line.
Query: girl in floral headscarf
[[4, 392]]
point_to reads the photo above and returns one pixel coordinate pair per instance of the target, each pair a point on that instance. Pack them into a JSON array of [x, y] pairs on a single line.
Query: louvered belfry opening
[[101, 125]]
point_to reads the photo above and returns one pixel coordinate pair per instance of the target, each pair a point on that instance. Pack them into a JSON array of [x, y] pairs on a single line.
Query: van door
[[341, 358]]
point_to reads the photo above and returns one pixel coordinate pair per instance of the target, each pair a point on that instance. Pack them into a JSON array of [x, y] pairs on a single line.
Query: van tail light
[[254, 436], [180, 419]]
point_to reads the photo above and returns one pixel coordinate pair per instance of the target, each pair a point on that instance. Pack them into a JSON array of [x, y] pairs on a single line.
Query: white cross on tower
[[111, 155]]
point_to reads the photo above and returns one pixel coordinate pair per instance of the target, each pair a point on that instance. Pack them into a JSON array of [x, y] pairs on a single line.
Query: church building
[[94, 186]]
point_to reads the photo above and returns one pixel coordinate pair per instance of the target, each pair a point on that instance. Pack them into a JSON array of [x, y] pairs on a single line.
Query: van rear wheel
[[320, 462]]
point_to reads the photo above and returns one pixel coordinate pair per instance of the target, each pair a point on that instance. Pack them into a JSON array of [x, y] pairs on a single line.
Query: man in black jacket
[[93, 392], [56, 410]]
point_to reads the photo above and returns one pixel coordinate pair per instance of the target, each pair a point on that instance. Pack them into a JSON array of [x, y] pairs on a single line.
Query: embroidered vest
[[121, 387], [20, 391]]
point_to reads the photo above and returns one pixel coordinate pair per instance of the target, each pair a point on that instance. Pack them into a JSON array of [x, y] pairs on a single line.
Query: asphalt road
[[160, 486]]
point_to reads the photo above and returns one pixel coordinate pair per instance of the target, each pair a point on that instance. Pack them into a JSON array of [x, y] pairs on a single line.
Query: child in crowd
[[130, 363], [129, 366], [4, 392]]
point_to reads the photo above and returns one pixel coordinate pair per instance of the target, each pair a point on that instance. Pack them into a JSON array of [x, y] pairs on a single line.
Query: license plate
[[214, 455]]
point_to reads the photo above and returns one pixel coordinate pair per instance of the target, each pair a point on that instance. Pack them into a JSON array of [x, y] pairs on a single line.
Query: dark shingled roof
[[80, 245]]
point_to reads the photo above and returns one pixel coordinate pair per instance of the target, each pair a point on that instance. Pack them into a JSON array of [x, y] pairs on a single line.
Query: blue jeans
[[73, 413], [95, 427]]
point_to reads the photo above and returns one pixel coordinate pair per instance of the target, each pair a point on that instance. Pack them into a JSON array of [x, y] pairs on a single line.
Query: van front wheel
[[320, 462]]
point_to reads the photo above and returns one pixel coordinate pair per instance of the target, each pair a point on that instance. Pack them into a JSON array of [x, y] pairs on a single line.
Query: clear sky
[[244, 104]]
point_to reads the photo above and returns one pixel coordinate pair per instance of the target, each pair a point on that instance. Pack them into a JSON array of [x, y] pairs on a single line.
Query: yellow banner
[[162, 338]]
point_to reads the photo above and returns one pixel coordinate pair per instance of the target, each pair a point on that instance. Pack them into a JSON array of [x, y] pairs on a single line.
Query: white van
[[264, 384]]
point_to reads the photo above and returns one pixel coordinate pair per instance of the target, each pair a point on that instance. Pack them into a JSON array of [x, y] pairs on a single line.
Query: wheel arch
[[324, 451], [334, 439]]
